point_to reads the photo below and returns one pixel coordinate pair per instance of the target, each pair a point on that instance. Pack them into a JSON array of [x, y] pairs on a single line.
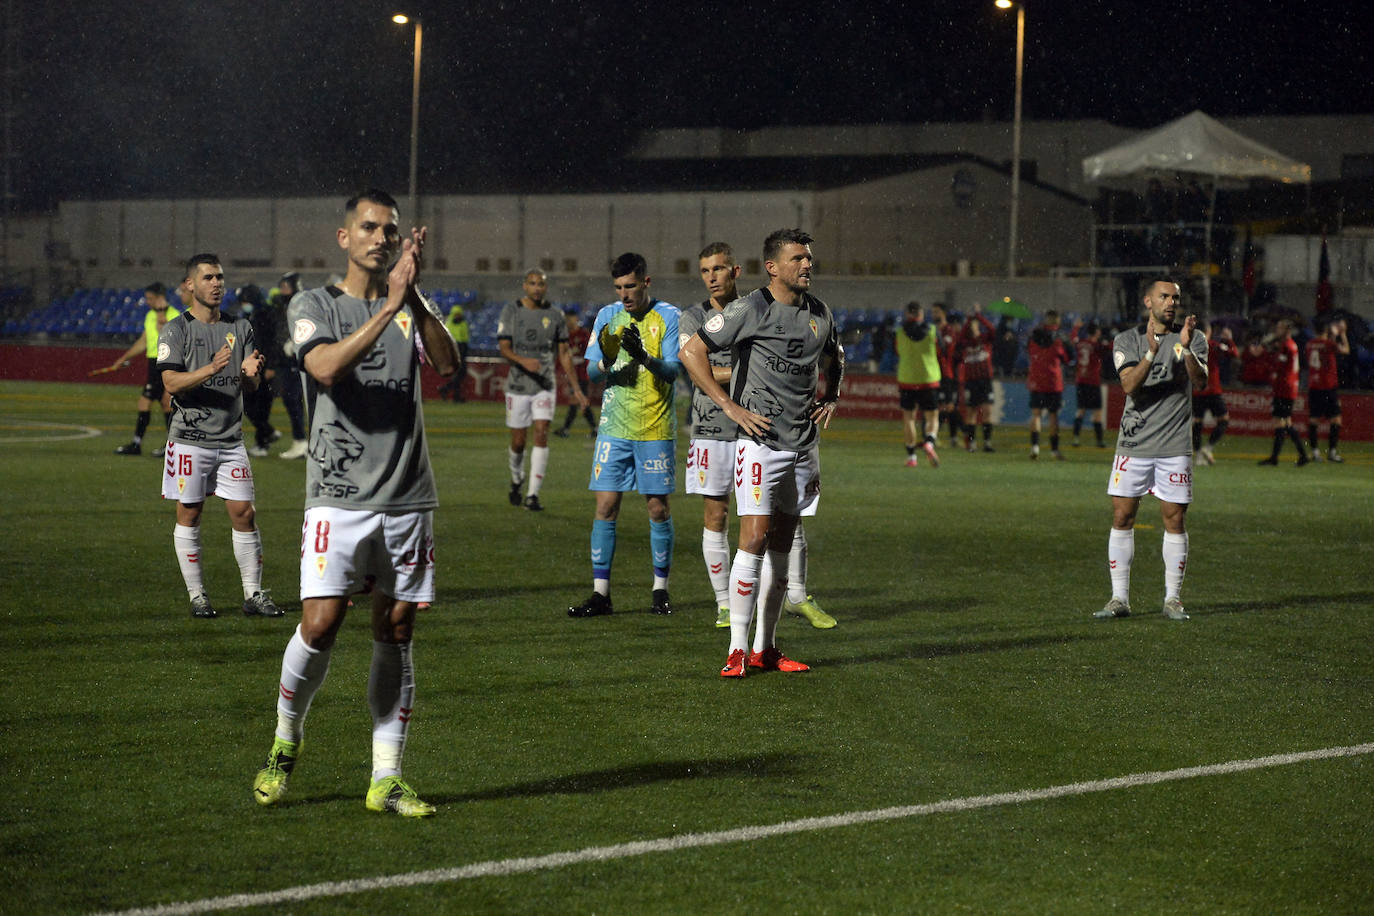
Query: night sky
[[234, 98]]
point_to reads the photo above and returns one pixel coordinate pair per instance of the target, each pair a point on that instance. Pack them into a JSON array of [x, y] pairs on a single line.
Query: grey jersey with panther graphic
[[209, 415], [704, 419], [532, 333], [1157, 421], [367, 430], [778, 349]]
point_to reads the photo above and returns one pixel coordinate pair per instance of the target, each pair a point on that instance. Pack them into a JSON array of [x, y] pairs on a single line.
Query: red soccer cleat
[[771, 659], [734, 665], [929, 448]]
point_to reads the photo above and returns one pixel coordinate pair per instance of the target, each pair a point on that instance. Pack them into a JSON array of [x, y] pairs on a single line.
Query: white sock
[[517, 465], [187, 543], [771, 588], [539, 463], [391, 697], [248, 552], [303, 670], [1120, 552], [796, 567], [715, 550], [1175, 563], [744, 588]]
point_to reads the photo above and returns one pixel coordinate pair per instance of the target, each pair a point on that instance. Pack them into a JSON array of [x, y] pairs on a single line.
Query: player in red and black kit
[[1284, 355], [1046, 382], [1209, 399], [1323, 380], [578, 338], [973, 360], [946, 342], [1089, 348]]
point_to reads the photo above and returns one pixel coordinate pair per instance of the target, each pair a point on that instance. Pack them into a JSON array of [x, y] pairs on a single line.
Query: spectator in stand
[[1209, 399], [1046, 382], [946, 342], [1284, 353], [973, 360], [578, 339], [1323, 383], [1089, 350]]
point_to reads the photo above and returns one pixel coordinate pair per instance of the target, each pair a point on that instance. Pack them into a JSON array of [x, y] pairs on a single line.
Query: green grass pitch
[[966, 663]]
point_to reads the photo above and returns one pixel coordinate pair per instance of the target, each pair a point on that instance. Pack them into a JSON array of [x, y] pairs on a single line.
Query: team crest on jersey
[[163, 351], [302, 330], [320, 563], [1178, 351], [545, 322], [403, 321], [181, 484], [653, 332], [715, 322], [701, 477], [230, 338], [815, 331]]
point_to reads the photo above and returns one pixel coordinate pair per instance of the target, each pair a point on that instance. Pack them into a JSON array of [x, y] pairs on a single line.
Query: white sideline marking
[[738, 835]]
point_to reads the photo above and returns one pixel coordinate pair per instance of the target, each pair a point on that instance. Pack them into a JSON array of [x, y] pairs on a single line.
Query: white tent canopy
[[1198, 144]]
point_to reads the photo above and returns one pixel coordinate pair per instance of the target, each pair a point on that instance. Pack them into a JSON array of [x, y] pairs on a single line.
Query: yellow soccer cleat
[[811, 611], [270, 784], [394, 794]]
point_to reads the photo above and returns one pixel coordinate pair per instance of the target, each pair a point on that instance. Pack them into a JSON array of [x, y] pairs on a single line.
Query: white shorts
[[340, 548], [521, 409], [769, 481], [1167, 479], [709, 467], [190, 473]]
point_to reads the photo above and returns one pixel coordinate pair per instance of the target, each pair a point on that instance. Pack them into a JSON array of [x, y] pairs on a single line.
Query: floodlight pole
[[402, 19], [1016, 141]]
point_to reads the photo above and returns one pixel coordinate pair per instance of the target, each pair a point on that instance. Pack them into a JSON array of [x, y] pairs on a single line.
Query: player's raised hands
[[252, 364], [1185, 334], [633, 343], [221, 357]]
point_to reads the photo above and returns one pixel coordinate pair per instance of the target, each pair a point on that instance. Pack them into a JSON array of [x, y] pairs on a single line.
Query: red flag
[[1324, 281]]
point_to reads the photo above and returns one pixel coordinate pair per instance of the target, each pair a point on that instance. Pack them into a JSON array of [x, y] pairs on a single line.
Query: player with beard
[[1158, 364]]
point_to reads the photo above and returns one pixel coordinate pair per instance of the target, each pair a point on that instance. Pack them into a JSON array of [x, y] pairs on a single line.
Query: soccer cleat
[[1058, 455], [201, 607], [561, 433], [257, 451], [261, 605], [661, 604], [772, 659], [734, 664], [1205, 453], [1035, 453], [988, 448], [533, 504], [514, 496], [1303, 459], [723, 617], [269, 786], [394, 794], [1317, 455], [1334, 456], [809, 609], [911, 461], [969, 447], [131, 448], [297, 450], [597, 605], [159, 451], [1270, 462], [1173, 609], [929, 449], [1114, 608]]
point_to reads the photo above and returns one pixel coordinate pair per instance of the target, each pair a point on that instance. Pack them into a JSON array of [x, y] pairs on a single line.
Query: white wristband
[[1149, 355]]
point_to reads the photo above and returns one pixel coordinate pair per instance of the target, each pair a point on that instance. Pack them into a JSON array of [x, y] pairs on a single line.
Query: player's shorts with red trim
[[1167, 479], [523, 409], [710, 467], [191, 472], [341, 548], [770, 480]]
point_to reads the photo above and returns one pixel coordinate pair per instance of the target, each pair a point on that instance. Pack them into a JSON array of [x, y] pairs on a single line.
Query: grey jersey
[[211, 414], [777, 354], [1157, 420], [367, 430], [532, 333], [704, 419]]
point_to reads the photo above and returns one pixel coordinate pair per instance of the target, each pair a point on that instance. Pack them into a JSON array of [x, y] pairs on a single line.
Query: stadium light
[[403, 19], [1015, 131]]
